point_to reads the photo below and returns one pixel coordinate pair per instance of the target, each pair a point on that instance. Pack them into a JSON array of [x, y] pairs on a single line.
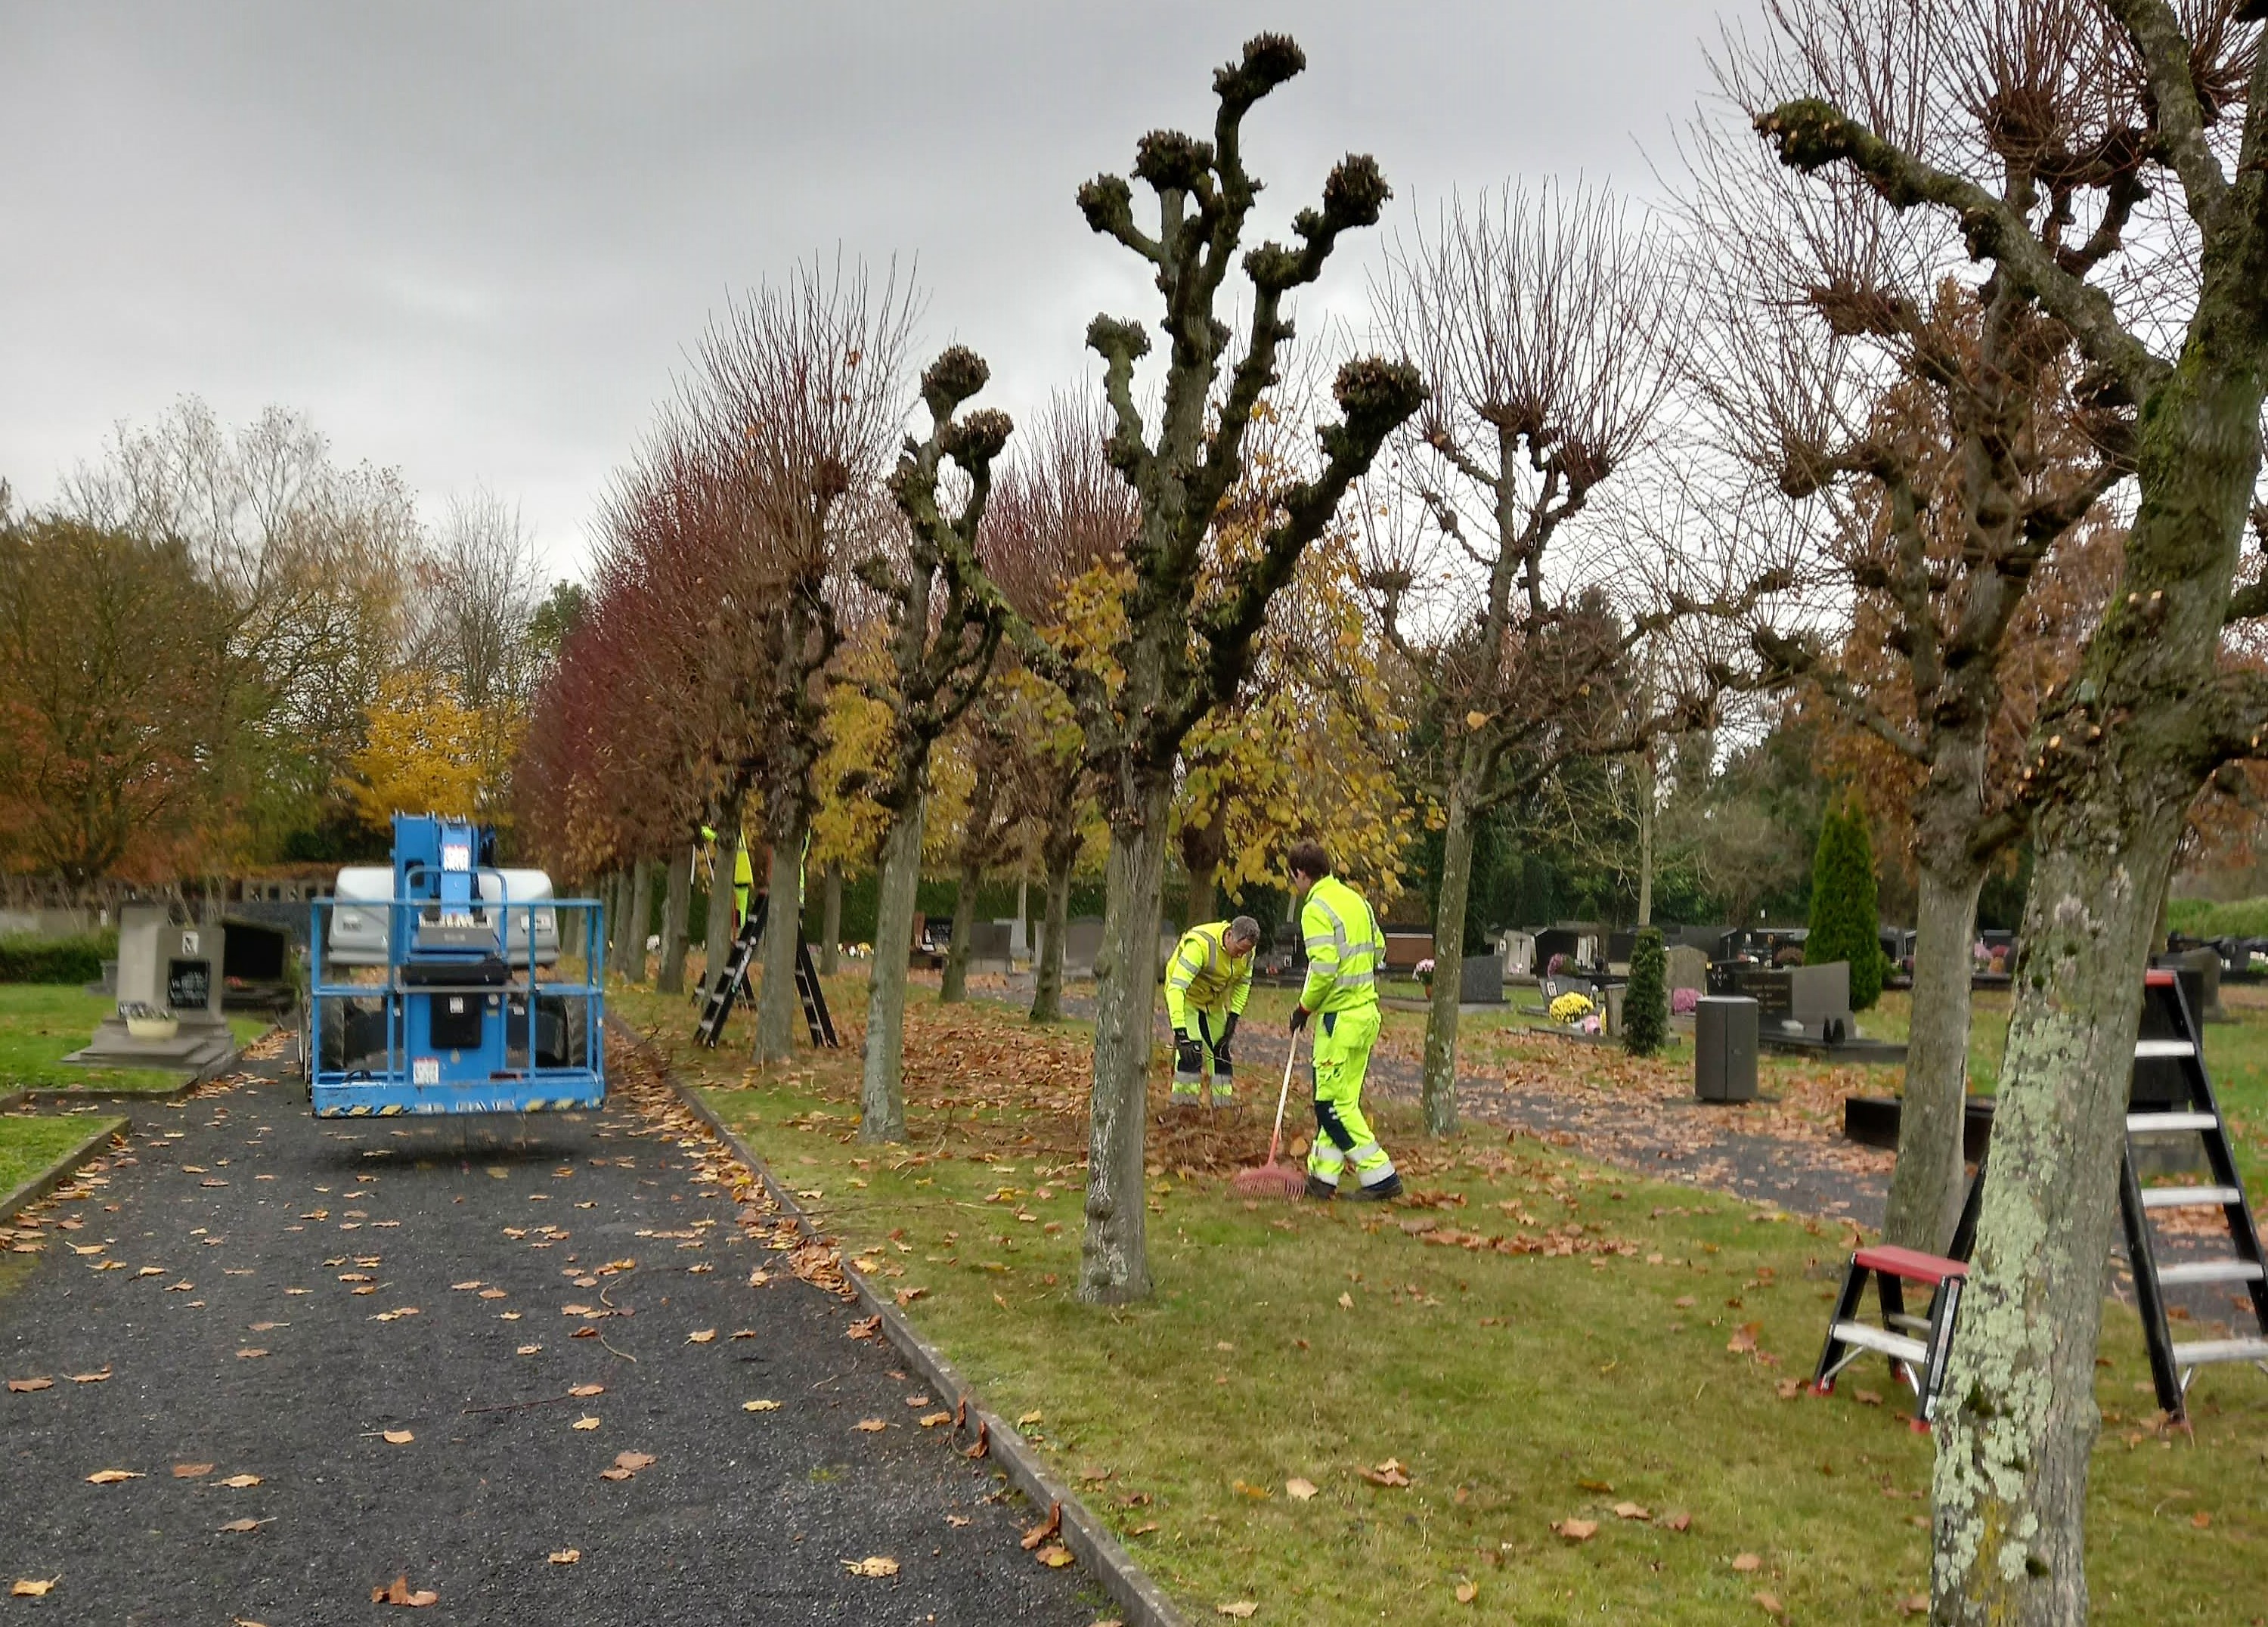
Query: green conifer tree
[[1846, 906], [1646, 1000]]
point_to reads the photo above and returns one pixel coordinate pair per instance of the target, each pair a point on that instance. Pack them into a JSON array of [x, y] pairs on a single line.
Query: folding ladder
[[2173, 1096], [717, 1004], [1916, 1343]]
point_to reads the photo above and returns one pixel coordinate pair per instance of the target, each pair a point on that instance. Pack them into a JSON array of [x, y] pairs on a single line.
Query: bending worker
[[1344, 951], [1207, 982]]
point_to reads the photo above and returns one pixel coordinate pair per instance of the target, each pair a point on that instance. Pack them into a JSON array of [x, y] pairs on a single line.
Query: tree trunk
[[1926, 1188], [1645, 790], [641, 917], [964, 928], [1047, 991], [1438, 1091], [1114, 1262], [618, 910], [2011, 1479], [676, 910], [881, 1093], [1205, 898], [718, 939], [831, 921], [776, 1004], [1023, 915]]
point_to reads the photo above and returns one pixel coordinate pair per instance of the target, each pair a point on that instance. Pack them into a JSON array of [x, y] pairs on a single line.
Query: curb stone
[[37, 1187], [1089, 1540]]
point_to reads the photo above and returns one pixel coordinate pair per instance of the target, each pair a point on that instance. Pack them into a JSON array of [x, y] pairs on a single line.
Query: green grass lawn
[[41, 1023], [29, 1141], [1294, 1343]]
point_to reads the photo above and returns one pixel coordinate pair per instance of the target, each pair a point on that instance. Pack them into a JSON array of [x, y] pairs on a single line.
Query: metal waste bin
[[1725, 1049]]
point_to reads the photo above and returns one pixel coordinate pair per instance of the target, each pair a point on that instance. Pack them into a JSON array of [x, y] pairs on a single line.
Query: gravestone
[[1519, 954], [1082, 943], [1819, 998], [2205, 963], [988, 945], [1687, 969], [1725, 1049], [164, 965], [1481, 980]]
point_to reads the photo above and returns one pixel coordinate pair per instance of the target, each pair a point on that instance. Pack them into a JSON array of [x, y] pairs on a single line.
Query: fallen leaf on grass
[[1914, 1604], [1770, 1603], [1028, 1419], [238, 1483], [1298, 1490], [1390, 1473], [907, 1296], [27, 1588], [773, 1406], [582, 1390], [1631, 1511], [565, 1555], [1789, 1388], [1256, 1493], [871, 1426], [1467, 1592], [1242, 1610], [1867, 1398], [931, 1420], [112, 1477], [1576, 1530], [1744, 1338], [1601, 1486], [585, 1422], [191, 1471], [1747, 1562], [1679, 1521], [25, 1387], [399, 1592], [873, 1564], [2201, 1519], [701, 1335], [246, 1525], [1346, 1303], [397, 1437]]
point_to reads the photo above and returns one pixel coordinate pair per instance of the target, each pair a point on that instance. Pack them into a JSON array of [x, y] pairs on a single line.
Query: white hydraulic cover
[[360, 919]]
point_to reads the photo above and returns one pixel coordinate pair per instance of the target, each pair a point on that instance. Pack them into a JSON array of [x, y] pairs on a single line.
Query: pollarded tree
[[1184, 653], [944, 627], [2044, 130]]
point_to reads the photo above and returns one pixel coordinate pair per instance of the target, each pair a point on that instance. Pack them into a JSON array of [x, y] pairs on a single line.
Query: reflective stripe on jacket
[[1344, 948], [1204, 974]]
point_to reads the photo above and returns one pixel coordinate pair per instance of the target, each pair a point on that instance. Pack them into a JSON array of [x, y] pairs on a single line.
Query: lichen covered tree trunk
[[831, 921], [1438, 1091], [716, 943], [676, 910], [641, 917], [1927, 1187], [964, 928], [1115, 1261], [777, 1006], [1047, 991], [881, 1092]]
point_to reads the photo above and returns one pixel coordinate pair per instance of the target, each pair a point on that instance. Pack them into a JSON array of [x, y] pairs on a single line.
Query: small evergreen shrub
[[1646, 998], [1846, 919]]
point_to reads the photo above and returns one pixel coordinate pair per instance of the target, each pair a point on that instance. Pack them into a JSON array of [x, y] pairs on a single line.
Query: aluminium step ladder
[[716, 1004], [2173, 1096]]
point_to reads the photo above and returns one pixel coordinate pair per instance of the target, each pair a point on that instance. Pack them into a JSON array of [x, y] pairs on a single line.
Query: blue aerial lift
[[436, 986]]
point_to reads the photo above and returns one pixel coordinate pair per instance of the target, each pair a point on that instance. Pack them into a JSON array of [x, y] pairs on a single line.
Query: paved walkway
[[330, 1355]]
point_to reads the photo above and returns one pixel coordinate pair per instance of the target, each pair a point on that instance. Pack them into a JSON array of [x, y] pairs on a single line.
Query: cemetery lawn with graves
[[1541, 1389], [42, 1023]]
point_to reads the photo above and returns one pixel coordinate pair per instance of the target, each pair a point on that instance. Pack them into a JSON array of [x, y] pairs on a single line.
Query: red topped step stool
[[1915, 1344]]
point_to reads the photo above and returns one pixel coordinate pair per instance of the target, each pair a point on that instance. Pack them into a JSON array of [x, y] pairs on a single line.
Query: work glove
[[1220, 1049], [1300, 1014], [1187, 1058], [1228, 1033]]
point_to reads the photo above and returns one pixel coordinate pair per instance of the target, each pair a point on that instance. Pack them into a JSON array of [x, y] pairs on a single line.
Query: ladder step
[[2209, 1271], [2190, 1197], [1870, 1337], [2168, 1124], [2162, 1050], [2207, 1350]]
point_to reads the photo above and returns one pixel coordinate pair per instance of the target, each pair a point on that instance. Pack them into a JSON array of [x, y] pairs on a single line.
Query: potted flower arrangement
[[145, 1021], [1571, 1009], [1424, 971]]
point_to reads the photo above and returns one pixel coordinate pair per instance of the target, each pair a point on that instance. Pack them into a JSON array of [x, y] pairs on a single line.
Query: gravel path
[[377, 1321]]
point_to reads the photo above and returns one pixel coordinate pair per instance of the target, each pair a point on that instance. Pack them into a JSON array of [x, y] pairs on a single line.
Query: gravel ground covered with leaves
[[265, 1370]]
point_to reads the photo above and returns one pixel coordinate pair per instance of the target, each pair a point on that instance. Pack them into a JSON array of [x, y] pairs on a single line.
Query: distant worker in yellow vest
[[1345, 949], [1207, 982]]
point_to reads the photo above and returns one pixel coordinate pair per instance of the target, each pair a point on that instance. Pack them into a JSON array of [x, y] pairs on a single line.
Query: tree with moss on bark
[[2040, 131], [1184, 651]]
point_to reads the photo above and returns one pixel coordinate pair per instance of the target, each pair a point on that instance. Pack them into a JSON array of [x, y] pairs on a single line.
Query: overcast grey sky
[[475, 239]]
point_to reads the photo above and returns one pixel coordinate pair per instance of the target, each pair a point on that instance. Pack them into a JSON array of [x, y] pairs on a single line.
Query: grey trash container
[[1725, 1049]]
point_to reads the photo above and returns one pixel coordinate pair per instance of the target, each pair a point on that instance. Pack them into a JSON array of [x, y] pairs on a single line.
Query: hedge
[[28, 960]]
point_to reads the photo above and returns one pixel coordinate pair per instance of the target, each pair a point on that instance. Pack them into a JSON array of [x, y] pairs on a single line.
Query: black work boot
[[1321, 1191], [1388, 1188]]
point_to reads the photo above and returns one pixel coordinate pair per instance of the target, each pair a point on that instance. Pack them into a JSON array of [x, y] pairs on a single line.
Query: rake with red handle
[[1272, 1179]]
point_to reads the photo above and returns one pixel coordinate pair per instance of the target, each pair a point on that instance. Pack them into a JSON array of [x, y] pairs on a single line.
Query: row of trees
[[1937, 405], [220, 647]]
